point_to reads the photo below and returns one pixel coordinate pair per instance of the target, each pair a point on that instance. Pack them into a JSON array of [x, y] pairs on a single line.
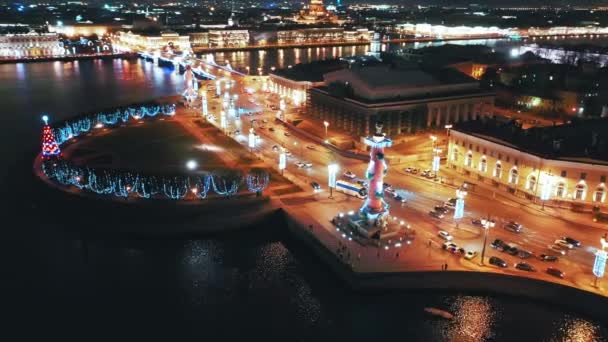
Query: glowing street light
[[599, 265], [191, 164], [459, 208], [326, 124], [251, 139], [332, 170], [45, 118], [282, 160], [487, 224]]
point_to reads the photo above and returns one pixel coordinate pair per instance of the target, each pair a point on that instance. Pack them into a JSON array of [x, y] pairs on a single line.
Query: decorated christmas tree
[[49, 144]]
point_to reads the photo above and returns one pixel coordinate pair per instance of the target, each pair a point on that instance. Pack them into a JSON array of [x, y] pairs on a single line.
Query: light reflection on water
[[474, 319]]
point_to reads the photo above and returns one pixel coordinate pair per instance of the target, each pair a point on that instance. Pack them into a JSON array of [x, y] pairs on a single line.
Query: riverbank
[[68, 58]]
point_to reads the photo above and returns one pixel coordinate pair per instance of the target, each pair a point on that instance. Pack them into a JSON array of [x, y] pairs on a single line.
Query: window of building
[[455, 154], [564, 173], [600, 194], [498, 169], [477, 148], [531, 183], [463, 143], [560, 191], [513, 176], [516, 162], [468, 160], [485, 151], [581, 191], [483, 165], [602, 179], [583, 175]]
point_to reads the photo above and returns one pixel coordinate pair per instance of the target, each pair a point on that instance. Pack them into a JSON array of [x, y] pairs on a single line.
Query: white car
[[469, 255], [300, 164], [350, 175], [445, 235], [308, 165], [563, 244], [556, 249]]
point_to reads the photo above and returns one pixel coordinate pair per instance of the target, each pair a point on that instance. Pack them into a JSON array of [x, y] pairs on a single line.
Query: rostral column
[[375, 209]]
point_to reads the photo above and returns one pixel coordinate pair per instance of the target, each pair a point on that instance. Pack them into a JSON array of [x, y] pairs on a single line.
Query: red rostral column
[[375, 209]]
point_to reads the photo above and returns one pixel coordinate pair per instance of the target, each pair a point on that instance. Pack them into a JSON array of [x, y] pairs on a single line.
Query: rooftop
[[578, 141], [314, 71]]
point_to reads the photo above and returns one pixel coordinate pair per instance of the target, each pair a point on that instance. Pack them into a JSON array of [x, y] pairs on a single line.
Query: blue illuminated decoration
[[459, 209], [599, 265], [257, 181]]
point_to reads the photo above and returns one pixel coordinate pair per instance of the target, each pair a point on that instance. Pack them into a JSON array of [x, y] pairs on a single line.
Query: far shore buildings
[[152, 42], [316, 13], [354, 95], [564, 165], [31, 45]]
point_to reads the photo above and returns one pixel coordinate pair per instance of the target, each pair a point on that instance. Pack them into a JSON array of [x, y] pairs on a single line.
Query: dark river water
[[63, 276]]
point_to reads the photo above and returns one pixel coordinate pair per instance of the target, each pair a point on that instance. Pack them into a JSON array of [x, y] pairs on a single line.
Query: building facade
[[228, 38], [31, 45], [129, 40], [578, 182], [405, 101]]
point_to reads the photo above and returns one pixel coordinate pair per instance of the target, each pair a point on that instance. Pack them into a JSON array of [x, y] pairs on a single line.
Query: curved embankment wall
[[584, 302]]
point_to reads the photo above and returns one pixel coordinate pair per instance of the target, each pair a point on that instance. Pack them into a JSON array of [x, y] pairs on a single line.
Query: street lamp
[[459, 208], [191, 164], [326, 124], [487, 224], [282, 160], [332, 170], [251, 139], [447, 128]]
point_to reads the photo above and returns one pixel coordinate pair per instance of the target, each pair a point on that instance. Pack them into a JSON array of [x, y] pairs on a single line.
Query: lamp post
[[251, 139], [599, 265], [332, 170], [436, 161], [433, 141], [326, 124], [282, 160], [545, 193], [487, 224], [447, 128], [459, 208]]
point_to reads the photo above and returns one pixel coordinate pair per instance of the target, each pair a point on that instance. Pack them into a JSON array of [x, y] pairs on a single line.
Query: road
[[540, 228]]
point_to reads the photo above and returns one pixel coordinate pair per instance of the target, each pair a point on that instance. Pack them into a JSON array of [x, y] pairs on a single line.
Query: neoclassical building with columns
[[565, 164]]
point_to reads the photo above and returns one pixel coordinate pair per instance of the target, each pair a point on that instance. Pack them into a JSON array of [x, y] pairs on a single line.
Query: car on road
[[563, 244], [448, 244], [300, 165], [523, 254], [470, 255], [307, 165], [310, 147], [362, 182], [546, 257], [409, 169], [511, 250], [479, 222], [556, 249], [399, 198], [451, 203], [315, 186], [275, 148], [555, 272], [496, 261], [445, 235], [425, 173], [497, 244], [571, 241], [456, 250], [436, 214], [349, 174], [431, 175], [525, 267], [513, 226], [441, 209]]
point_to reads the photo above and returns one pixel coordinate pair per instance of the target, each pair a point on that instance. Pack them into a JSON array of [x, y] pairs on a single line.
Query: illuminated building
[[228, 38], [30, 45], [83, 29], [147, 43], [316, 13], [568, 163]]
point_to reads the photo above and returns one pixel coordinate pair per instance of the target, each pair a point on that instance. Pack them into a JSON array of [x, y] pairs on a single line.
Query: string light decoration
[[202, 186], [50, 148], [257, 180], [226, 183]]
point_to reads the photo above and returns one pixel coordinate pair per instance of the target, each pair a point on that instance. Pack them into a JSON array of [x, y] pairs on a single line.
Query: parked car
[[555, 272], [425, 173], [469, 255], [524, 267], [445, 235], [310, 147], [287, 134], [441, 209], [349, 174], [430, 175], [498, 243], [362, 182], [408, 169], [299, 164], [546, 257], [513, 227], [512, 250], [571, 241], [479, 222], [557, 249], [436, 214], [523, 254], [307, 165], [563, 244], [448, 244], [496, 261], [399, 198], [315, 186]]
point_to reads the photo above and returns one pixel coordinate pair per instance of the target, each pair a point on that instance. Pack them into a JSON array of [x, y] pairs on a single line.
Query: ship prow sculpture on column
[[372, 221], [373, 214]]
